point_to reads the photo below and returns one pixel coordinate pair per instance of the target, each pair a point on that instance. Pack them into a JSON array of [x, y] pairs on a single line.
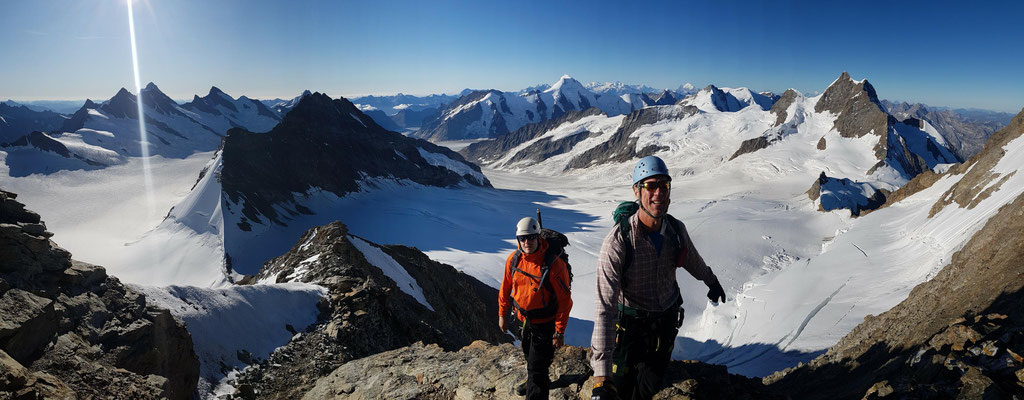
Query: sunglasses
[[526, 238], [652, 185]]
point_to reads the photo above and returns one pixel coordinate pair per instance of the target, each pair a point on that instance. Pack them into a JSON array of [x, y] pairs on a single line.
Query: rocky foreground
[[486, 371], [366, 312], [68, 330]]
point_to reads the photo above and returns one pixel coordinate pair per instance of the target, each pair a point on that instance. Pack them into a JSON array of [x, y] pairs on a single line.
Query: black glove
[[604, 392], [716, 291]]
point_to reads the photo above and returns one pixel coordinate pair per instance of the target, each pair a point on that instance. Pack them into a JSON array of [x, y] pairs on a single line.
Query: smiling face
[[654, 193]]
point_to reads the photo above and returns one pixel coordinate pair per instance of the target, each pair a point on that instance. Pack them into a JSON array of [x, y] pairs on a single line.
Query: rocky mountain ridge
[[965, 134], [18, 120], [330, 145], [104, 134], [68, 330], [369, 310]]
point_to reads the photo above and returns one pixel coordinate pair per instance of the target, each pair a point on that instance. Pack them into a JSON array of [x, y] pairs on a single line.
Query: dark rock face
[[19, 121], [621, 147], [782, 104], [860, 113], [750, 146], [67, 330], [665, 98], [958, 335], [383, 120], [858, 109], [965, 134], [153, 97], [486, 151], [209, 103], [327, 144], [845, 193], [77, 120], [42, 142], [367, 313], [493, 372]]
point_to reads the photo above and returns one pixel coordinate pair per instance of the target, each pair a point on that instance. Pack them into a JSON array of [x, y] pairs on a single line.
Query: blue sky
[[939, 53]]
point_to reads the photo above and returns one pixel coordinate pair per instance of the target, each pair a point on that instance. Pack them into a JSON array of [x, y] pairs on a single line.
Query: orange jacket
[[527, 291]]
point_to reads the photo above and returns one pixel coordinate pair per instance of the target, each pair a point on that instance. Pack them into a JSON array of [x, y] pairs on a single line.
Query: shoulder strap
[[677, 228], [627, 250]]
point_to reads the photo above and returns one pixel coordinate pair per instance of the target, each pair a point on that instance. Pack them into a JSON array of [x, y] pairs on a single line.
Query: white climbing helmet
[[527, 226]]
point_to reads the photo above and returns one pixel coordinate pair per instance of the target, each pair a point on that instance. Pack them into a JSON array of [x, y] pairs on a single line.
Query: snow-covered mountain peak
[[150, 86], [566, 84]]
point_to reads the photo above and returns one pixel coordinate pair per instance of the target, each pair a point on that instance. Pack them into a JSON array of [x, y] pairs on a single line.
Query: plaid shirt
[[651, 282]]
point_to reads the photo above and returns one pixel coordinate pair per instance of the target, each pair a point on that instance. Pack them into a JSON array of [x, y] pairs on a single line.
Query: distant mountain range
[[101, 135], [902, 149], [966, 130], [491, 113]]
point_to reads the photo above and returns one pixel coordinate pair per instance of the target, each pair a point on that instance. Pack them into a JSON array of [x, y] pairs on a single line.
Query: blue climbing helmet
[[649, 166]]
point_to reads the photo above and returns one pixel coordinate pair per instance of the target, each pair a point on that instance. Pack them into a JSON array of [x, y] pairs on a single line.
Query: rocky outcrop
[[367, 311], [68, 330], [330, 145], [486, 371], [621, 147], [490, 150], [42, 142], [835, 193], [858, 110], [383, 120], [751, 145], [959, 334], [781, 107]]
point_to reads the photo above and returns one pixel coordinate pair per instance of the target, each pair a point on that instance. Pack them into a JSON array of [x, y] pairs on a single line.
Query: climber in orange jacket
[[536, 286]]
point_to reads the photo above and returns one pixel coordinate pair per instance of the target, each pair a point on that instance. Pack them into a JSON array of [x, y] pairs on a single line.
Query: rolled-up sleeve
[[602, 341]]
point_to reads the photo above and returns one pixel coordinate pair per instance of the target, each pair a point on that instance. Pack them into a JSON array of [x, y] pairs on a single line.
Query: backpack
[[621, 216], [556, 249]]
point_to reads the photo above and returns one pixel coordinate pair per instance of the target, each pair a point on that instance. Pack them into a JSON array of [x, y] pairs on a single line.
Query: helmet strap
[[648, 212], [641, 204]]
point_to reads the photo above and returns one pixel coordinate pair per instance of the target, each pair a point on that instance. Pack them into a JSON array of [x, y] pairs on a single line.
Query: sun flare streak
[[143, 137]]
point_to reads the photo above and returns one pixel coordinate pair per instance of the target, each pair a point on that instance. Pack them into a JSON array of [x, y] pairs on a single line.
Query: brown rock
[[27, 323], [12, 375], [880, 389]]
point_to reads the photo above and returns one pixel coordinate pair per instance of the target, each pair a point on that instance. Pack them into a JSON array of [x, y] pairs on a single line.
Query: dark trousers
[[539, 352], [643, 350]]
